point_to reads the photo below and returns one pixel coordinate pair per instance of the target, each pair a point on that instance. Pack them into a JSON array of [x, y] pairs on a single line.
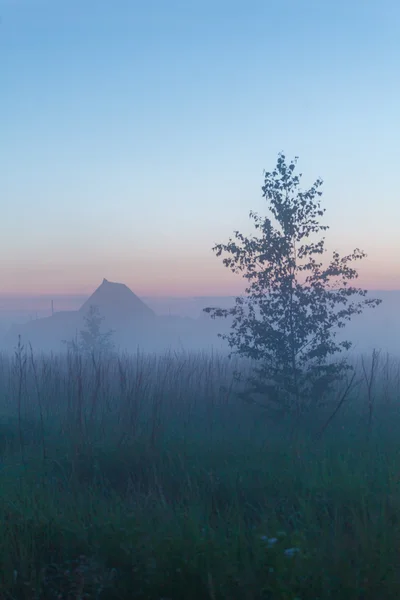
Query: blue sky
[[134, 135]]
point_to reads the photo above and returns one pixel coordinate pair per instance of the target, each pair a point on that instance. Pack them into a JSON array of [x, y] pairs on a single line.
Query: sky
[[134, 135]]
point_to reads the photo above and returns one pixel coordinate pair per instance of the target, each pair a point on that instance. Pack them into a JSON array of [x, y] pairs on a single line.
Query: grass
[[145, 477]]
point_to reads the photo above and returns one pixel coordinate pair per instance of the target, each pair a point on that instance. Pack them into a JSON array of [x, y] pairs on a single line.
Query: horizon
[[135, 139], [49, 296], [44, 302]]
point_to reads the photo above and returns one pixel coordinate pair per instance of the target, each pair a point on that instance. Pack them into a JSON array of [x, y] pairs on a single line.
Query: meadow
[[145, 476]]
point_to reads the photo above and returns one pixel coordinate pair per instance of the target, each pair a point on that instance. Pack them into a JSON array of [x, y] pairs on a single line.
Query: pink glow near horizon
[[190, 276], [222, 288]]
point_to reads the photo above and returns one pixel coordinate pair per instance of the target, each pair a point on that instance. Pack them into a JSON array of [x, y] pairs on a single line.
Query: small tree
[[91, 340], [288, 320]]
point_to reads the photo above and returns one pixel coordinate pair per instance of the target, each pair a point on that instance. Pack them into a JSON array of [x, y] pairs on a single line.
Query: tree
[[91, 340], [289, 317]]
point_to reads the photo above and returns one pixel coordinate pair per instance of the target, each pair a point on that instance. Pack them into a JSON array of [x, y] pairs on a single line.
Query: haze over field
[[151, 161], [379, 329]]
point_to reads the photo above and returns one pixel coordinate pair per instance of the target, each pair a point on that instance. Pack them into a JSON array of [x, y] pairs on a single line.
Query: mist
[[174, 323]]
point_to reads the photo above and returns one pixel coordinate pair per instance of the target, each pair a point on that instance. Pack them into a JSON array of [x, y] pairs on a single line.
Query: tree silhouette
[[288, 319], [91, 339]]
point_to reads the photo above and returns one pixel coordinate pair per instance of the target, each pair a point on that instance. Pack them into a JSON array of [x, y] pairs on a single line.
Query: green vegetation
[[146, 477]]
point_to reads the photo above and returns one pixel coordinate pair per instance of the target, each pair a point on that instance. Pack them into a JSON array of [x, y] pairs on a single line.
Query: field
[[146, 477]]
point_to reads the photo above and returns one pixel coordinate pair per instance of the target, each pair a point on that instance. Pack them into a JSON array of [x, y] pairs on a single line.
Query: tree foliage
[[92, 341], [295, 303]]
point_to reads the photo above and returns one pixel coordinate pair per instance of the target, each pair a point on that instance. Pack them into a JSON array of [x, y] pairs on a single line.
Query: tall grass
[[145, 476]]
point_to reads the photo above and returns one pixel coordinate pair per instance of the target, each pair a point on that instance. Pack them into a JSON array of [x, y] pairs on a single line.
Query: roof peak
[[118, 299]]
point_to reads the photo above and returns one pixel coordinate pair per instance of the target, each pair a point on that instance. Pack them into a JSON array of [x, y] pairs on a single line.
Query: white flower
[[291, 551]]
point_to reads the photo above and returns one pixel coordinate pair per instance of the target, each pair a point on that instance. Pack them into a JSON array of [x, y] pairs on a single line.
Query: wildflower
[[291, 551], [270, 541]]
